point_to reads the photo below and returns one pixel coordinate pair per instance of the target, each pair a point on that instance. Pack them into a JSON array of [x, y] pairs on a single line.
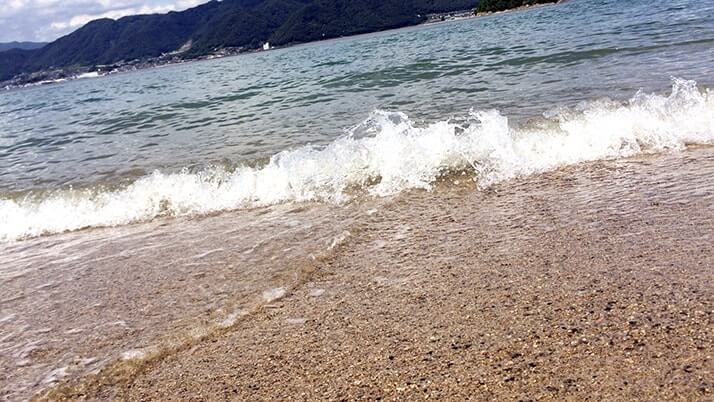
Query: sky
[[47, 20]]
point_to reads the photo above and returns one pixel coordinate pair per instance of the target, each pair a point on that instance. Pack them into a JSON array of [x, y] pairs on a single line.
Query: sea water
[[499, 96], [144, 210]]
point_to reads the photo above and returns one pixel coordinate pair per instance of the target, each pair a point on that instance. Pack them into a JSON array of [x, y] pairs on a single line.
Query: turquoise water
[[211, 127]]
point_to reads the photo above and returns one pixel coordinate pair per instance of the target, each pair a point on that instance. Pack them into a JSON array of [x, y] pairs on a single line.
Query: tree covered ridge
[[21, 45], [501, 5], [215, 25]]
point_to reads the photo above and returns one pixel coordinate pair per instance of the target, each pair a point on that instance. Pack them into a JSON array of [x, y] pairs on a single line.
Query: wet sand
[[589, 283], [72, 304]]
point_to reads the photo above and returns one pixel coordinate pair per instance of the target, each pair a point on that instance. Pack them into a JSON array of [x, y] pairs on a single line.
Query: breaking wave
[[384, 155]]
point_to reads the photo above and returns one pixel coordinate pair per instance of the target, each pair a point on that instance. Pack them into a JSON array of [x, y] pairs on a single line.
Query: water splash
[[386, 154]]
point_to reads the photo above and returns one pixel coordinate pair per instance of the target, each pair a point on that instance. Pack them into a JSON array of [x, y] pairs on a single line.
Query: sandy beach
[[588, 283], [514, 207]]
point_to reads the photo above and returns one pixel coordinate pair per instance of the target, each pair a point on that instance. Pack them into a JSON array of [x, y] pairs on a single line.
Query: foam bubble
[[55, 375], [339, 240], [133, 354], [271, 295], [316, 292], [230, 320], [390, 155]]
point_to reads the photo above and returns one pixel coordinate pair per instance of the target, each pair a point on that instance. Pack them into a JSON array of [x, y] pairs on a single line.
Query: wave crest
[[384, 155]]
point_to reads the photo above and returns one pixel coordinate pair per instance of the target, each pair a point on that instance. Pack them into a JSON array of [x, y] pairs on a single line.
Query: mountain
[[488, 6], [21, 45], [202, 30]]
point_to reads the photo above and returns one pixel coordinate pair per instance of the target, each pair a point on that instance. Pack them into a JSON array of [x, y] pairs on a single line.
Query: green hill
[[501, 5], [219, 24], [21, 45]]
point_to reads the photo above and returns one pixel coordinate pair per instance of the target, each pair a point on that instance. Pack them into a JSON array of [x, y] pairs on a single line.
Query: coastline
[[503, 209], [61, 76], [592, 281], [520, 8]]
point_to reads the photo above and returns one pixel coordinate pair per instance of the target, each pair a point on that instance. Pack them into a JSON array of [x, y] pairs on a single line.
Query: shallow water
[[213, 118], [75, 302], [214, 186]]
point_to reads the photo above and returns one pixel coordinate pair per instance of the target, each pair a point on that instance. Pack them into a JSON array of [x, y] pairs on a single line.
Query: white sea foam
[[271, 295], [55, 375], [133, 354], [230, 320], [391, 154]]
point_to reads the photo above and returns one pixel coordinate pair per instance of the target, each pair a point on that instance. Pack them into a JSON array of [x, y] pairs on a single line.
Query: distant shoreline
[[519, 8], [62, 76]]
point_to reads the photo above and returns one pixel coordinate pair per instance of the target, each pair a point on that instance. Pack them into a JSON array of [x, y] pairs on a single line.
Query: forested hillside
[[500, 5], [221, 24], [21, 45]]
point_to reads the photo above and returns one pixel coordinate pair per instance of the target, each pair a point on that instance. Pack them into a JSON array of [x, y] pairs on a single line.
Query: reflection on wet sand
[[593, 280], [74, 303]]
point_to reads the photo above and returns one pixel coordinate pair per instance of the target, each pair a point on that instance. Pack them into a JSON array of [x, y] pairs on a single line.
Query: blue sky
[[46, 20]]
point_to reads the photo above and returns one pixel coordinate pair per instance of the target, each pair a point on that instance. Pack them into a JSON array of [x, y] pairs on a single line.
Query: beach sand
[[590, 283]]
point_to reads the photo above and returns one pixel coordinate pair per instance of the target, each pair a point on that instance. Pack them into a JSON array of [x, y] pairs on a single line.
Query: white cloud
[[46, 20], [79, 20]]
